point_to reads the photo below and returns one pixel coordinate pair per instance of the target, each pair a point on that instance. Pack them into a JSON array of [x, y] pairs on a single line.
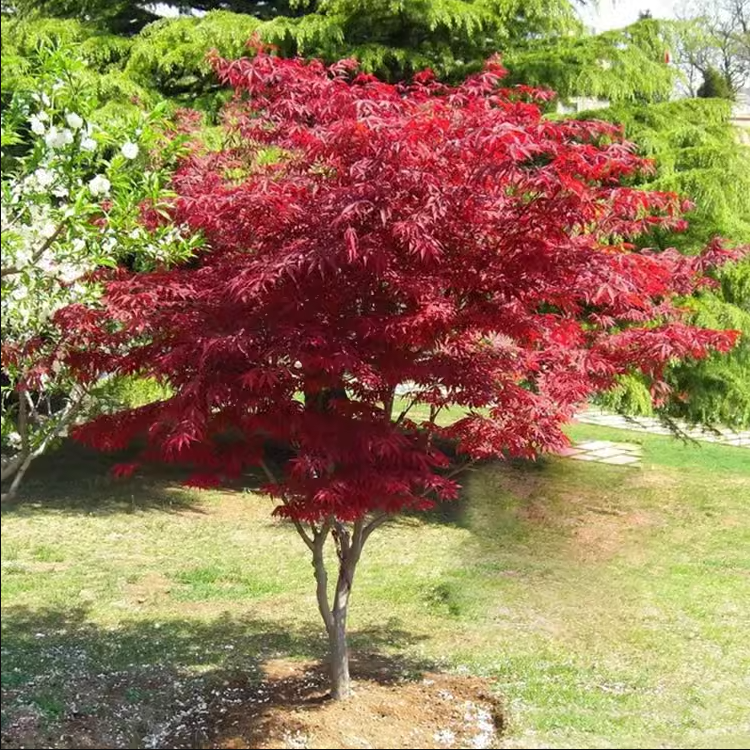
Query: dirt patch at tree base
[[434, 711], [397, 703]]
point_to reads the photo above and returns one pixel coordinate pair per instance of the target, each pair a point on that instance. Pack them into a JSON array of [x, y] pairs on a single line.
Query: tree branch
[[459, 469], [388, 404], [403, 414], [434, 411], [66, 416], [306, 538], [321, 576], [10, 467], [374, 524], [12, 270]]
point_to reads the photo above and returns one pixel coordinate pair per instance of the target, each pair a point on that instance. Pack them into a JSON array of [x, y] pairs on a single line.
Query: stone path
[[605, 452], [724, 436], [630, 454]]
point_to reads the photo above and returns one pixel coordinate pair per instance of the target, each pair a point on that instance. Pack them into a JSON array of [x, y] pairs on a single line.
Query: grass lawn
[[609, 605]]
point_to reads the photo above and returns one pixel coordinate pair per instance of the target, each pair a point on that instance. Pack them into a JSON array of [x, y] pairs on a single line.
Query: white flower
[[37, 126], [129, 150], [52, 138], [45, 100], [19, 293], [79, 244], [60, 191], [99, 185], [75, 121], [48, 230], [46, 264], [44, 177], [69, 273], [88, 144], [58, 138]]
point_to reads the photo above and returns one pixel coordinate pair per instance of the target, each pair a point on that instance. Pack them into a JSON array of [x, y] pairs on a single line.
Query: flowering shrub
[[73, 195]]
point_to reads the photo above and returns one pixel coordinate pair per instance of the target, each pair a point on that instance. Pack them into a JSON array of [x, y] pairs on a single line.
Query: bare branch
[[459, 469], [342, 538], [301, 531], [403, 414], [434, 411], [374, 524], [267, 471], [24, 401], [388, 404], [306, 538], [11, 466], [67, 415], [321, 576]]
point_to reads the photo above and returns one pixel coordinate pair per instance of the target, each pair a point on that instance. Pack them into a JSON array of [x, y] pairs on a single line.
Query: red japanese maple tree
[[364, 236]]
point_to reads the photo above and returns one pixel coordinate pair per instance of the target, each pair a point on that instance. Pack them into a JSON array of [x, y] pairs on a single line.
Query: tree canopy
[[543, 40], [714, 38], [714, 86], [362, 235]]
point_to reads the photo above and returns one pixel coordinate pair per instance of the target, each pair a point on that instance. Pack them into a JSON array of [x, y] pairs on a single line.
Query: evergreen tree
[[542, 42], [623, 65], [391, 39], [697, 153], [715, 86]]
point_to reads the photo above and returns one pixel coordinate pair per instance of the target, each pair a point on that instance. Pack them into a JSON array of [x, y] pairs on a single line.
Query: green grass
[[610, 606]]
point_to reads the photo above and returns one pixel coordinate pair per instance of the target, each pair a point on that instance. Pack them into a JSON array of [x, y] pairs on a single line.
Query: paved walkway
[[724, 436], [630, 454], [605, 452]]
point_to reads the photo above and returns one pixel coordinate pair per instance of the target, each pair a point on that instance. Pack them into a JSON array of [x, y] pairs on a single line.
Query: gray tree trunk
[[349, 548], [341, 686]]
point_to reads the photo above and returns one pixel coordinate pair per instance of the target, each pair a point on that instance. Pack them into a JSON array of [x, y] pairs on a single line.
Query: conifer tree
[[697, 153]]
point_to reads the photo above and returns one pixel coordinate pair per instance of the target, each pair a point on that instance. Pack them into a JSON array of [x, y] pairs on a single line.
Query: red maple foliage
[[363, 236]]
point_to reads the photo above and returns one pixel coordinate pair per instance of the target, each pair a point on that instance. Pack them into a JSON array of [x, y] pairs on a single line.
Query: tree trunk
[[340, 681], [11, 466], [18, 471], [349, 548]]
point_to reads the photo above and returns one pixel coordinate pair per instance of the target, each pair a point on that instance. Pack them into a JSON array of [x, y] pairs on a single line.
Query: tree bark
[[12, 466], [63, 420], [349, 548], [341, 684]]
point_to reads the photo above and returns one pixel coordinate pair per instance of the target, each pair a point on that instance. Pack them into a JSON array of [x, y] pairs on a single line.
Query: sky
[[614, 14]]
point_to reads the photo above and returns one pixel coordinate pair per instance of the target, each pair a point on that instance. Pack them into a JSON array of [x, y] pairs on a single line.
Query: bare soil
[[291, 708], [435, 711]]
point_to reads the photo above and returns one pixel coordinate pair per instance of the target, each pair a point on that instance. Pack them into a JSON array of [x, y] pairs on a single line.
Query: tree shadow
[[76, 479], [456, 513], [68, 682]]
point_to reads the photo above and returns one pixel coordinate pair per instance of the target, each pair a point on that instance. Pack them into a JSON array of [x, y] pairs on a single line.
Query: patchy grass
[[609, 605]]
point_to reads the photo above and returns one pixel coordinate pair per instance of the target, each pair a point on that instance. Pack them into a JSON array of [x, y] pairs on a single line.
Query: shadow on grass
[[68, 682], [456, 513], [75, 479]]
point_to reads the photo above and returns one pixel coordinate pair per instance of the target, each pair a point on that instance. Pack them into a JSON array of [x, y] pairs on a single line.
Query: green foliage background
[[697, 153]]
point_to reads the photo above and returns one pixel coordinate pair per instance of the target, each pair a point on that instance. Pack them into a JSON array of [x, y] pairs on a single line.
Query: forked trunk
[[348, 548]]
